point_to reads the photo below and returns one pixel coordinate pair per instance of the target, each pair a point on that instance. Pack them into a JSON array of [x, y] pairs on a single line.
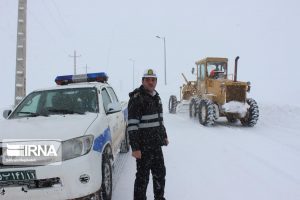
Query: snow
[[236, 107], [227, 162]]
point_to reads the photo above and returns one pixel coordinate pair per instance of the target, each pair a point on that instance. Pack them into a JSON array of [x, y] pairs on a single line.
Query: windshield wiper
[[65, 111], [32, 114]]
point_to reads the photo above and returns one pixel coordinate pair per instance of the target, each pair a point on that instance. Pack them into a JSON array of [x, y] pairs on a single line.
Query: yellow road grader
[[213, 94]]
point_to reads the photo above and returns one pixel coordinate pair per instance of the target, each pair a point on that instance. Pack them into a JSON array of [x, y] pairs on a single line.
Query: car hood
[[53, 127]]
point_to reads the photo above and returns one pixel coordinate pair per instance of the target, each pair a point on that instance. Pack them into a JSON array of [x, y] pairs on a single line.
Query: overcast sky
[[264, 33]]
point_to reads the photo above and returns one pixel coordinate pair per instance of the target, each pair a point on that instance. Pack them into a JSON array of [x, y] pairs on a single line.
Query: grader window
[[201, 72], [198, 72], [202, 76], [216, 70]]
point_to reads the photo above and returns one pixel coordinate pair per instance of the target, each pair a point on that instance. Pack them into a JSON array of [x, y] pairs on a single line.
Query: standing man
[[147, 134]]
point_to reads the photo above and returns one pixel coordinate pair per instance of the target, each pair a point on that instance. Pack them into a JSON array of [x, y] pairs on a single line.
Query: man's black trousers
[[152, 160]]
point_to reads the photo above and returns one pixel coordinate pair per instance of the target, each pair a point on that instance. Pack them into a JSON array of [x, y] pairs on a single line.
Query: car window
[[106, 99], [87, 100], [30, 105], [113, 94]]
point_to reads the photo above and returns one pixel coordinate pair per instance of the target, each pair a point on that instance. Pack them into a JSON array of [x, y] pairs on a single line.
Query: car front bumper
[[80, 177]]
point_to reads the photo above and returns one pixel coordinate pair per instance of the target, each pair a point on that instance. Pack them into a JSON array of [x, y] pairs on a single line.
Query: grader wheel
[[193, 108], [252, 114], [172, 104], [206, 112]]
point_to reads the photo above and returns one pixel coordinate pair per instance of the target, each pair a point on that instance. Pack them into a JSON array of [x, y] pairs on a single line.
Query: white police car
[[60, 142]]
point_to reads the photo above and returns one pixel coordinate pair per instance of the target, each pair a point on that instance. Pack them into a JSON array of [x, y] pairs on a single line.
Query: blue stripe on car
[[101, 140]]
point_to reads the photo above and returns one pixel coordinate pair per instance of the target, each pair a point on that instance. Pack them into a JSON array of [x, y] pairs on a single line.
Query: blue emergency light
[[80, 78]]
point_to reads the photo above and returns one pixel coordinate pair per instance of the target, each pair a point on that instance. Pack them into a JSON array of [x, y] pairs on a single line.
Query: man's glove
[[166, 142]]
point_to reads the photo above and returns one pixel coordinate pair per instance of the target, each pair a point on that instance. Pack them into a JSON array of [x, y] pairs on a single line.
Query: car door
[[112, 119], [120, 134]]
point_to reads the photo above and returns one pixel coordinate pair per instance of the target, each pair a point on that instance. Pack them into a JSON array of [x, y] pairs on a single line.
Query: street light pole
[[133, 61], [165, 57]]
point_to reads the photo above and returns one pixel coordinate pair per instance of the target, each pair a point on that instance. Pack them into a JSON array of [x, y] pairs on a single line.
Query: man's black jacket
[[145, 120]]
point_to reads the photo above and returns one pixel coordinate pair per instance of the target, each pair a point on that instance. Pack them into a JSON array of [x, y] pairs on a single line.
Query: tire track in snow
[[118, 167]]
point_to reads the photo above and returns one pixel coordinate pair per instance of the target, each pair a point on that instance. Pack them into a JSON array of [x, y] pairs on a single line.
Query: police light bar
[[80, 78]]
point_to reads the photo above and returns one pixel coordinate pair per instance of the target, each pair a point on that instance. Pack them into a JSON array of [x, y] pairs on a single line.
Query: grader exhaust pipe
[[235, 68]]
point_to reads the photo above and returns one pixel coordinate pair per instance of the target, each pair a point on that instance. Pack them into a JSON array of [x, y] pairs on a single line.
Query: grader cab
[[213, 94]]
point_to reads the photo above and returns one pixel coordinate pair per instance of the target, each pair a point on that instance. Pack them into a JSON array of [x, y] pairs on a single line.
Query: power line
[[62, 27], [59, 13], [46, 30], [56, 22]]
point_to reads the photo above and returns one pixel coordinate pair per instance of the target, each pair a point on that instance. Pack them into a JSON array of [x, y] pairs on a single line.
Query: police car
[[61, 142]]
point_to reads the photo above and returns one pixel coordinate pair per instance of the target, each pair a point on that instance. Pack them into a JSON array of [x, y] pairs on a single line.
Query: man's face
[[149, 83]]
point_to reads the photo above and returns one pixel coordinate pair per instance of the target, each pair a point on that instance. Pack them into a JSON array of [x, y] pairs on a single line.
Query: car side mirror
[[113, 108], [6, 113]]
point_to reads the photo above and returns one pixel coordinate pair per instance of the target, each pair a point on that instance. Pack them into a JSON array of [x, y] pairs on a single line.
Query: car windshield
[[58, 102]]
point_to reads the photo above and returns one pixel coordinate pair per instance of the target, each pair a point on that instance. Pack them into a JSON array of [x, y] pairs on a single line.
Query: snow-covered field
[[227, 162]]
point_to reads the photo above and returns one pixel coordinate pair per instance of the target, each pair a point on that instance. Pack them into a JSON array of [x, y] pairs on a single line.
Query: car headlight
[[76, 147]]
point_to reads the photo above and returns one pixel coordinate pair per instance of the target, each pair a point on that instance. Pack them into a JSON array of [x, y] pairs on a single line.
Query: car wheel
[[106, 187]]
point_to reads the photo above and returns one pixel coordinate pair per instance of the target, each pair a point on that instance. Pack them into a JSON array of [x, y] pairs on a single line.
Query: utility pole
[[75, 57], [165, 57], [20, 77]]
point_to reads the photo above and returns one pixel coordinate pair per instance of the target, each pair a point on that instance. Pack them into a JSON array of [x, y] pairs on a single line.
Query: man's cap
[[149, 73]]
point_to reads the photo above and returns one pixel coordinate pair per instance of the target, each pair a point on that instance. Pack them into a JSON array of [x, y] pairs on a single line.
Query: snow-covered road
[[227, 162]]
